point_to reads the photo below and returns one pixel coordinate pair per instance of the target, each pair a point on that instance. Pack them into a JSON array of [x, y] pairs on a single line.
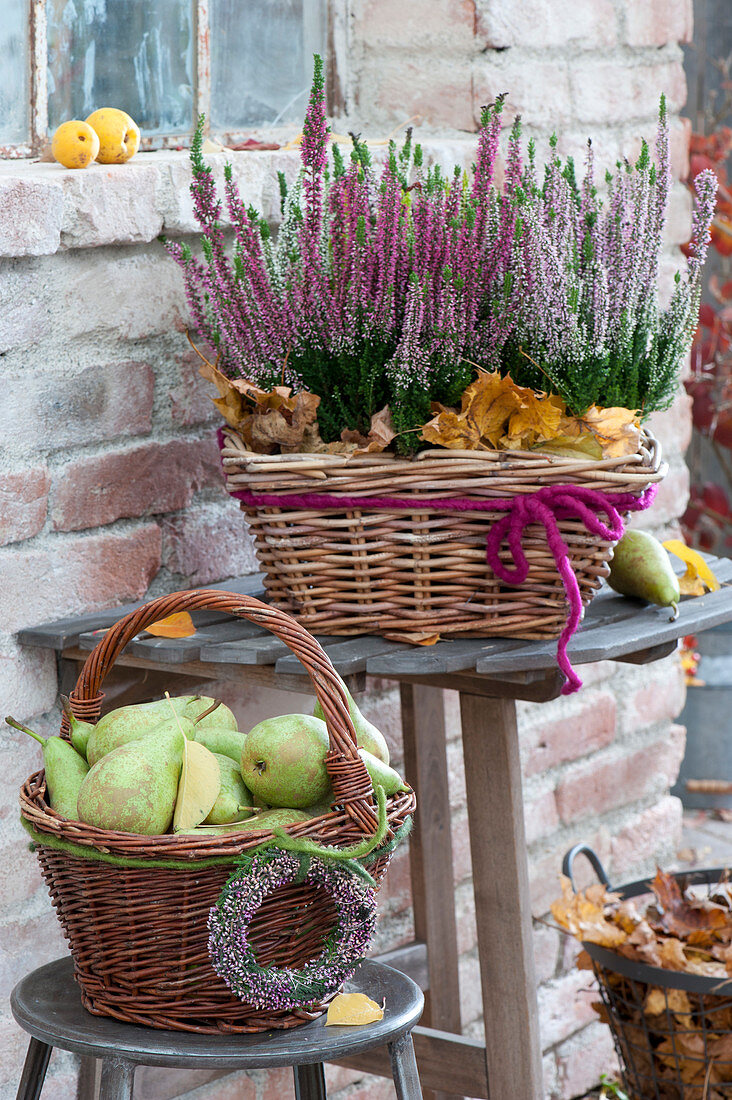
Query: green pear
[[133, 788], [233, 794], [283, 761], [79, 730], [381, 774], [367, 735], [269, 819], [205, 712], [65, 771], [127, 726], [219, 739], [641, 567]]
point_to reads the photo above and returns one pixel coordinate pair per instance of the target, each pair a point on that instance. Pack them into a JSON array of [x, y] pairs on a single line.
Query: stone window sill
[[45, 208]]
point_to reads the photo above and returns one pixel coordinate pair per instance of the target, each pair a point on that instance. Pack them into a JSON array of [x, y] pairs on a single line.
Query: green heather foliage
[[390, 288]]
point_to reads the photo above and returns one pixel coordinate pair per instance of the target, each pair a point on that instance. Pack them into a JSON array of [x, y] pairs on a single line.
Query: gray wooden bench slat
[[264, 650], [455, 655], [349, 656], [180, 650], [646, 627], [65, 633]]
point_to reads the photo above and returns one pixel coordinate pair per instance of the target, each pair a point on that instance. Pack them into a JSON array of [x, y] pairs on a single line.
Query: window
[[243, 63]]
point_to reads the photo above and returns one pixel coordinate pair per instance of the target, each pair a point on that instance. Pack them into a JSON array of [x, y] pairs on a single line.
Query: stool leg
[[309, 1081], [34, 1070], [404, 1068], [117, 1077]]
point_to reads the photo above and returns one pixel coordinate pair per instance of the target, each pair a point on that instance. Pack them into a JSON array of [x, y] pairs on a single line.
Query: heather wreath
[[388, 289]]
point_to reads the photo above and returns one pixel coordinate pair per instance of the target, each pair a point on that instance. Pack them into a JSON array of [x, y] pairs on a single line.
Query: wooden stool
[[47, 1004]]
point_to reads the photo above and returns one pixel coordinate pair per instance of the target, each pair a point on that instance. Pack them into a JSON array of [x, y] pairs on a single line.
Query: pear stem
[[204, 714], [66, 705], [24, 729]]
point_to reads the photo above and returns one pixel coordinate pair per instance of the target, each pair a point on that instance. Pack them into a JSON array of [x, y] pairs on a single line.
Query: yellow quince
[[119, 135], [75, 144]]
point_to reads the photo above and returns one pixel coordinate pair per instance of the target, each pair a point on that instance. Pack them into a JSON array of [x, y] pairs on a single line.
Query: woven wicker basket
[[349, 571], [138, 934]]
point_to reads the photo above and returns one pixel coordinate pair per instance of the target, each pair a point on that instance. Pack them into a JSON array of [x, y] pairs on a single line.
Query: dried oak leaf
[[693, 921], [583, 914]]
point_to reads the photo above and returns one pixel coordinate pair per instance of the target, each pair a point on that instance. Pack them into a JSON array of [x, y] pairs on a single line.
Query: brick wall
[[110, 490]]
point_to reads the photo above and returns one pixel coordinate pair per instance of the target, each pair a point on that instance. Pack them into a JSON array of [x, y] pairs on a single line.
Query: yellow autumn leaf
[[179, 625], [616, 429], [583, 914], [453, 430], [353, 1009], [698, 577], [536, 420]]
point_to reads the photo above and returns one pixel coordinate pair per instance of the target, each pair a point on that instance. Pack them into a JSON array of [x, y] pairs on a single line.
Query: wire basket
[[682, 1049], [381, 569], [134, 908]]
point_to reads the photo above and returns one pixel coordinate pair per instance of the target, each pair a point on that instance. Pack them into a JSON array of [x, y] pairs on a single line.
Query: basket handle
[[349, 778], [591, 855]]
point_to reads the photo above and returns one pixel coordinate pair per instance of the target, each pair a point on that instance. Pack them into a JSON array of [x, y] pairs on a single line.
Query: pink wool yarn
[[546, 506]]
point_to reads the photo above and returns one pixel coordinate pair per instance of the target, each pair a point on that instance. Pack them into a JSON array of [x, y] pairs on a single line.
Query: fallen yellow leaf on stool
[[353, 1008], [698, 577]]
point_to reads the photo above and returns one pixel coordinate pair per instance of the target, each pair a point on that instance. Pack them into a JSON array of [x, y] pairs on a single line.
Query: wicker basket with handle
[[419, 567], [135, 913]]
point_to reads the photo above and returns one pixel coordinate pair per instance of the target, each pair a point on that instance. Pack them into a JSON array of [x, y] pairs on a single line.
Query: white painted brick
[[28, 679], [30, 216], [545, 23], [111, 204], [538, 89]]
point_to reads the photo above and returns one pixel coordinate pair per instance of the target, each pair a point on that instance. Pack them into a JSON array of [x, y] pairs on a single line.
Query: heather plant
[[590, 326], [389, 287], [380, 289]]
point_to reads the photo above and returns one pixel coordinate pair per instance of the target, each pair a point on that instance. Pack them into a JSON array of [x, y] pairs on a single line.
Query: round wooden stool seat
[[47, 1004]]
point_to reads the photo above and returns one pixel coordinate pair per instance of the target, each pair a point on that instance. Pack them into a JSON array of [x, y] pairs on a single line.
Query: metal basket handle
[[591, 855]]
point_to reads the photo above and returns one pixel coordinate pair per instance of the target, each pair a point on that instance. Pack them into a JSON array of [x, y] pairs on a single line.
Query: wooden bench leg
[[34, 1070], [404, 1068], [502, 901], [309, 1081], [430, 853], [117, 1079]]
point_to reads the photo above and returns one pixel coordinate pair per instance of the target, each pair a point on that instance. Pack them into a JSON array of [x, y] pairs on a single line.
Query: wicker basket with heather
[[434, 388]]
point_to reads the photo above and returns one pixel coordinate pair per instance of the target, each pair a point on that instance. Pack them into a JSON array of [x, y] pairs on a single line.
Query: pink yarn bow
[[546, 506]]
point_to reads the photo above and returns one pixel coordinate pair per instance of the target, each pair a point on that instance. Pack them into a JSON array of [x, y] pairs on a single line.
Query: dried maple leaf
[[453, 430], [535, 421], [691, 920], [179, 625], [616, 429], [380, 434], [672, 956], [657, 1001], [583, 914]]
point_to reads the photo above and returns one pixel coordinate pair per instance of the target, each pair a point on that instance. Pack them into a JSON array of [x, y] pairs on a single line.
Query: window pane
[[262, 60], [13, 71], [133, 54]]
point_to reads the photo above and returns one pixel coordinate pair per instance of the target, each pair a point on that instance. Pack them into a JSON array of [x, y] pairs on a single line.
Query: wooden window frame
[[337, 32]]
